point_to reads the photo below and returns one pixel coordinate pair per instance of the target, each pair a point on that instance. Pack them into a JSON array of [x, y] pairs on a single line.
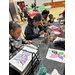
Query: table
[[43, 49], [49, 64]]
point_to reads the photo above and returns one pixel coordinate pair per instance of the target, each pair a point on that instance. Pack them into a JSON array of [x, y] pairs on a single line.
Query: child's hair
[[50, 15], [37, 17], [45, 12], [13, 26], [63, 13]]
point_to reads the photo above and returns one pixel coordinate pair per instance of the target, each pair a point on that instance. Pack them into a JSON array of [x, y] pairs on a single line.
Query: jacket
[[15, 45], [30, 33]]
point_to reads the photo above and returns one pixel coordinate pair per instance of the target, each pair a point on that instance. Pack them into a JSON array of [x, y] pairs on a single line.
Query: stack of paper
[[58, 39], [52, 27], [23, 59], [55, 72]]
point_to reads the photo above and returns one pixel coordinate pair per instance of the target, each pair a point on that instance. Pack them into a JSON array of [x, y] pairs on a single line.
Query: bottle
[[46, 38]]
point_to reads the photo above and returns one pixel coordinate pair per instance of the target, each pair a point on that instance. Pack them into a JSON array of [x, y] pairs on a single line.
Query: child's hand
[[29, 42], [53, 17], [49, 24], [41, 32], [48, 31]]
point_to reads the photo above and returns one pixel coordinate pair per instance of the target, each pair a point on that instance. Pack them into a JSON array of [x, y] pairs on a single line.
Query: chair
[[23, 30]]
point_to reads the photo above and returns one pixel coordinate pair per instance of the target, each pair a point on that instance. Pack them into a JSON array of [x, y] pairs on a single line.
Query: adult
[[19, 10], [23, 6], [38, 10], [34, 4], [25, 12]]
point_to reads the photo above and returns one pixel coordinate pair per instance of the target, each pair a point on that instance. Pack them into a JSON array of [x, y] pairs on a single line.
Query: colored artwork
[[56, 55], [22, 58]]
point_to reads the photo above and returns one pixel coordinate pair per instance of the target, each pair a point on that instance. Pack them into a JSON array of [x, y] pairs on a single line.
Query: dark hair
[[63, 13], [37, 17], [26, 5], [45, 12], [17, 3], [50, 15], [13, 26]]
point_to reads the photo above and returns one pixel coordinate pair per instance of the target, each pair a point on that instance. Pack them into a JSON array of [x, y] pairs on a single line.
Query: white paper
[[59, 38], [41, 35], [49, 53], [17, 64], [30, 46], [52, 26], [56, 32], [56, 20], [60, 16], [55, 72], [31, 49]]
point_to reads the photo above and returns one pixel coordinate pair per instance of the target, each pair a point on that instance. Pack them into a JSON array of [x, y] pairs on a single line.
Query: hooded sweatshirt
[[32, 32]]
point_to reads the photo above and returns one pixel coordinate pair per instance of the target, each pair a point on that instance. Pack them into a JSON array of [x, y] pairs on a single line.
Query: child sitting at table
[[44, 22], [34, 29], [63, 16], [15, 41], [51, 18]]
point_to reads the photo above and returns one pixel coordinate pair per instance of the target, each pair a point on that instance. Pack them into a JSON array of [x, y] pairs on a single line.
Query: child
[[25, 12], [15, 41], [38, 10], [33, 29], [63, 16], [51, 18], [44, 22]]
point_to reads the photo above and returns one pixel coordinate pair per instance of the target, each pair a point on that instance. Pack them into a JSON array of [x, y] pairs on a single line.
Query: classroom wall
[[57, 0], [27, 2], [40, 2]]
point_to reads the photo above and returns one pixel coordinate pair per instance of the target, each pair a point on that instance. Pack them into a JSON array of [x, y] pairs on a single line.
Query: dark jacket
[[25, 13], [50, 21], [30, 33]]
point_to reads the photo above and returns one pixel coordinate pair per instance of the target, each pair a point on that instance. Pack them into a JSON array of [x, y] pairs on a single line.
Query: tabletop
[[43, 49]]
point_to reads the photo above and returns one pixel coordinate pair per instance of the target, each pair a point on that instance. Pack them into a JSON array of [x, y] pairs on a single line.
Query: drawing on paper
[[22, 58], [56, 55]]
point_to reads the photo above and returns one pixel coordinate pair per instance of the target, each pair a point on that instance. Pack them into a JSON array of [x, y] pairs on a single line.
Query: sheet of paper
[[56, 32], [53, 26], [23, 58], [41, 35], [56, 20], [47, 74], [54, 72], [55, 57], [59, 38], [20, 61], [60, 16], [30, 46]]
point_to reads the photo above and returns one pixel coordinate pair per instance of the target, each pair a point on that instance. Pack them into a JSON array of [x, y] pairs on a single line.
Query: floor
[[54, 11]]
